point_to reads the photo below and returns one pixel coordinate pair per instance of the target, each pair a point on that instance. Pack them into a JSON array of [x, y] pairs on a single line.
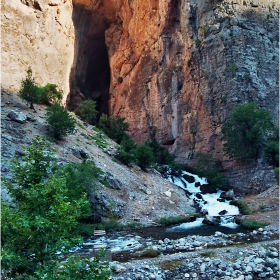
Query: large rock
[[112, 181], [17, 116], [229, 195]]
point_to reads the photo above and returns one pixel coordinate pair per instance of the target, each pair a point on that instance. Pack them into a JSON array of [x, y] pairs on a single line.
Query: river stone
[[17, 116], [190, 179]]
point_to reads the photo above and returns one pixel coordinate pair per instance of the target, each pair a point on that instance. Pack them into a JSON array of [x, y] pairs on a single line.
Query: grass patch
[[81, 125], [167, 221], [209, 254], [134, 225], [243, 206], [169, 265], [99, 141], [85, 230], [49, 138], [150, 253], [96, 129], [252, 224]]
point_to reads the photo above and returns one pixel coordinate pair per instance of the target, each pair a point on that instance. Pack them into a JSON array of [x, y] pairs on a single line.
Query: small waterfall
[[228, 221], [209, 203]]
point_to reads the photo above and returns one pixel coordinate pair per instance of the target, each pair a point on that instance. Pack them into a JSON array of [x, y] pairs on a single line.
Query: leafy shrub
[[252, 224], [49, 94], [114, 127], [126, 151], [81, 178], [208, 167], [161, 154], [39, 225], [87, 111], [77, 268], [100, 141], [59, 120], [167, 221], [243, 206], [245, 131], [271, 150], [203, 30], [29, 90], [83, 229], [150, 253], [145, 156], [232, 67]]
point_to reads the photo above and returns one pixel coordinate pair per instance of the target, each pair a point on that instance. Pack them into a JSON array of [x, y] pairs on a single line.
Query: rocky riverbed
[[208, 257]]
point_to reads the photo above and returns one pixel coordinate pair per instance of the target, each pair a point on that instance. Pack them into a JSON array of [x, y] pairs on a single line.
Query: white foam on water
[[184, 184], [213, 206], [208, 202], [228, 222], [196, 223], [119, 244]]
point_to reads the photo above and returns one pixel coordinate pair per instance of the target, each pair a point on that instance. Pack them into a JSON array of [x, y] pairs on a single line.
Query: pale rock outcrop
[[39, 34]]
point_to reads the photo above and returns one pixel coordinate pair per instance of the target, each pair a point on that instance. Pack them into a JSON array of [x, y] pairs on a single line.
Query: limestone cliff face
[[39, 34], [178, 66], [174, 65]]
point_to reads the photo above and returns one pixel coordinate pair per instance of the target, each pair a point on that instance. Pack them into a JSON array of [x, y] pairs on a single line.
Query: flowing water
[[212, 204]]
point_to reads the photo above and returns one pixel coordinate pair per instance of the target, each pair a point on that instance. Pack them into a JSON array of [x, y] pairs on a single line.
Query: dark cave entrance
[[97, 79], [90, 75]]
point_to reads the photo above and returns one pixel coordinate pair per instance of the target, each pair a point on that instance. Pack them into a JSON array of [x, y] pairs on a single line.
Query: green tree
[[161, 154], [114, 127], [87, 111], [59, 120], [29, 90], [145, 156], [208, 167], [50, 94], [77, 268], [81, 178], [271, 149], [126, 151], [39, 223], [245, 131]]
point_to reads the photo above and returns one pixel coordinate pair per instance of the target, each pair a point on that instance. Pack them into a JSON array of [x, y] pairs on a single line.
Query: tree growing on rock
[[87, 111], [59, 120], [245, 131], [29, 90], [43, 214]]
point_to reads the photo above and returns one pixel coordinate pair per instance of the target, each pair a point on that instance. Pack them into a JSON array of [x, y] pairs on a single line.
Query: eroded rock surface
[[177, 66]]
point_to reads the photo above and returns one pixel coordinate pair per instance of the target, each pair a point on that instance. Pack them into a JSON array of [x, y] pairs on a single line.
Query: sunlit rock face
[[176, 66], [39, 34]]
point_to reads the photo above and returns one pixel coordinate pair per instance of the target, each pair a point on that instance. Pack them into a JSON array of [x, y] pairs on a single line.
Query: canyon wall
[[39, 34], [176, 66]]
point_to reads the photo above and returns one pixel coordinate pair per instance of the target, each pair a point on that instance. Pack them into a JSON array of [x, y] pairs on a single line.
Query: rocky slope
[[135, 195], [145, 197], [174, 65]]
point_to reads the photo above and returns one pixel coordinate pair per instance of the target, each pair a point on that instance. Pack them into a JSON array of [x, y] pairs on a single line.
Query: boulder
[[190, 179], [223, 212], [229, 195], [17, 116], [209, 220], [112, 181], [206, 188], [79, 153]]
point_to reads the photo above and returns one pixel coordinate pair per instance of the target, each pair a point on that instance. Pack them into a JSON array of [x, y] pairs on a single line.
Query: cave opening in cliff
[[90, 76]]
